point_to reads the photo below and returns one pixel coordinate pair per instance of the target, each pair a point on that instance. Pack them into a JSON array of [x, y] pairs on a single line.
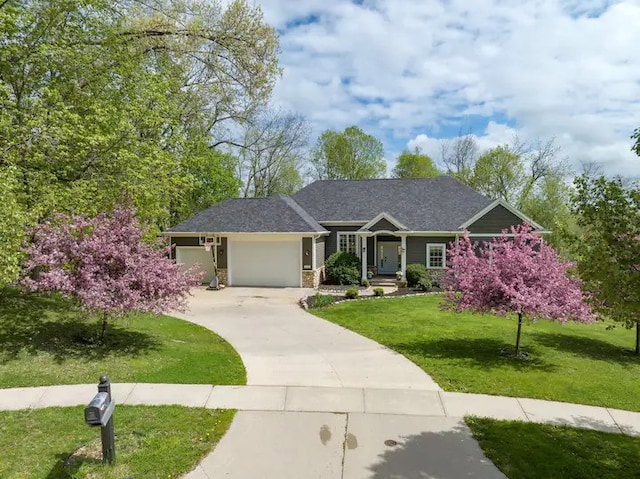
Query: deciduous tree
[[415, 165], [13, 219], [351, 154], [103, 263], [274, 148], [519, 275], [608, 249], [105, 102]]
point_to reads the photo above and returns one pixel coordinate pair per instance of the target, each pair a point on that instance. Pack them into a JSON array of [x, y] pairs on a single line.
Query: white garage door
[[265, 263], [190, 255]]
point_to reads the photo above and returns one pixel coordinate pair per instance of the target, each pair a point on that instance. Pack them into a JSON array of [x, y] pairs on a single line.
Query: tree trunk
[[638, 338], [103, 334], [518, 336]]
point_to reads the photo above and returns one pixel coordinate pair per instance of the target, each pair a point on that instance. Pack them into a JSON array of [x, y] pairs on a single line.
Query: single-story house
[[387, 223]]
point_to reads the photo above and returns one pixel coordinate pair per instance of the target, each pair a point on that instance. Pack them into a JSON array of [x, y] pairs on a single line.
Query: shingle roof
[[277, 214], [421, 204]]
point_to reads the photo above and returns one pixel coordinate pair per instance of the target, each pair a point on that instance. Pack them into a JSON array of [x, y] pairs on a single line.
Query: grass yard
[[573, 363], [46, 341], [153, 442], [531, 451]]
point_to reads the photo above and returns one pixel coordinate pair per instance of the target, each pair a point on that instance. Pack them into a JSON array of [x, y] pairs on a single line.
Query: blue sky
[[415, 73]]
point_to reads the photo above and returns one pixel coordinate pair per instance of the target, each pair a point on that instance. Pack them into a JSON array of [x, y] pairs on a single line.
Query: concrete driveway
[[282, 345]]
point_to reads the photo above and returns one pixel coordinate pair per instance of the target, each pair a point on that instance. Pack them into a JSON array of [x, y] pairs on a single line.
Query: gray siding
[[371, 251], [495, 221], [332, 240], [320, 245], [180, 241], [222, 254], [417, 247], [307, 255], [384, 224]]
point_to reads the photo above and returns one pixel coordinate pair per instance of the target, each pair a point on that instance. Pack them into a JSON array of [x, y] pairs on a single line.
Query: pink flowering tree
[[518, 274], [103, 263]]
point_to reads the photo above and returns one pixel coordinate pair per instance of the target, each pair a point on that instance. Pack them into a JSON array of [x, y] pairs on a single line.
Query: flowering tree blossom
[[519, 274], [103, 263]]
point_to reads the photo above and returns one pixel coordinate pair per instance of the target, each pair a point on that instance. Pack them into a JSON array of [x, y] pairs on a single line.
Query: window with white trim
[[436, 255], [348, 242]]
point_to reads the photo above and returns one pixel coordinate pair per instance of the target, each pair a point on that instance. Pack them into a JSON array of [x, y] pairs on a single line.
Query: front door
[[388, 258]]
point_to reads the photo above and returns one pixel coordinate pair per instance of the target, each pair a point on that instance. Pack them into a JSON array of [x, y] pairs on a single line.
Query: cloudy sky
[[416, 72]]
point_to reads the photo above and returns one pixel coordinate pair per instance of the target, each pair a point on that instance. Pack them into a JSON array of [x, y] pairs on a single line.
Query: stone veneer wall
[[311, 278], [222, 276]]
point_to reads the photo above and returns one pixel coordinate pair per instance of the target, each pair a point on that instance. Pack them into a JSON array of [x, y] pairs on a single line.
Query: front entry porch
[[383, 254]]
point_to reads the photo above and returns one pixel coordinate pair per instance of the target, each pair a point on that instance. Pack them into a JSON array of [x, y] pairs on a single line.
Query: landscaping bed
[[151, 441], [47, 341], [578, 363]]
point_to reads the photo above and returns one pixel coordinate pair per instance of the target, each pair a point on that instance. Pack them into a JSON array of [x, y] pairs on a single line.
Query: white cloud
[[413, 71]]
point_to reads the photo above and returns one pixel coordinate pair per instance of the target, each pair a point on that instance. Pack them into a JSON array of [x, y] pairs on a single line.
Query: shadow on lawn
[[35, 323], [481, 352], [590, 348]]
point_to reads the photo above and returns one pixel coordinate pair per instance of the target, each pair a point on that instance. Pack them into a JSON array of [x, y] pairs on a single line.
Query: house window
[[348, 242], [436, 256]]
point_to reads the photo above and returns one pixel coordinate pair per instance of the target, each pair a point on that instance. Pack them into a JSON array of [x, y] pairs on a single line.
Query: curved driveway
[[282, 345]]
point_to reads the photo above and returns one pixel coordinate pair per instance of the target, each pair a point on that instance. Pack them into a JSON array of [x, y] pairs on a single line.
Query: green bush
[[342, 268], [351, 293], [402, 284], [320, 300], [378, 292], [366, 283], [416, 273]]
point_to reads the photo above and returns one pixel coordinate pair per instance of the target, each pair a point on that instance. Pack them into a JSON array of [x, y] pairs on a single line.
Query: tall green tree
[[415, 165], [609, 248], [109, 102], [13, 219], [351, 154], [499, 173]]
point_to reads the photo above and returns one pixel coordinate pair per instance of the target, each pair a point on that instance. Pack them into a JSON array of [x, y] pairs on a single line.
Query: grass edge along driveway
[[524, 450], [47, 341], [585, 364]]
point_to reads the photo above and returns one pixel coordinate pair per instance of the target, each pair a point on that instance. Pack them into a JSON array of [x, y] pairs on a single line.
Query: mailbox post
[[99, 412]]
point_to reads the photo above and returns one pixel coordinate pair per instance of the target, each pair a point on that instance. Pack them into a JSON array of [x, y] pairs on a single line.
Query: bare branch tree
[[459, 156], [275, 148]]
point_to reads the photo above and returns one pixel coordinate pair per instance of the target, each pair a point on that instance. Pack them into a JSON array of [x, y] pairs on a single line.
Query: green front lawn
[[46, 341], [154, 442], [531, 451], [573, 363]]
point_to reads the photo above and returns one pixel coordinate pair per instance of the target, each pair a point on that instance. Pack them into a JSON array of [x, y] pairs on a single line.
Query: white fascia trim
[[397, 234], [343, 223], [235, 233], [508, 235], [500, 202], [433, 233], [387, 217]]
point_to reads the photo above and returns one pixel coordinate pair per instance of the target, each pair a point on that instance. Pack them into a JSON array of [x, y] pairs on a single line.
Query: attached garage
[[269, 260], [190, 255]]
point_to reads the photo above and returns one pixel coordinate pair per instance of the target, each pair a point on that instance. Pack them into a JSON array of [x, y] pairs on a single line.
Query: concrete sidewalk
[[333, 400]]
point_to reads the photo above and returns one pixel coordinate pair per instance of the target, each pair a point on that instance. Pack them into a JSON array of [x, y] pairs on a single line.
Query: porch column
[[403, 256], [363, 255]]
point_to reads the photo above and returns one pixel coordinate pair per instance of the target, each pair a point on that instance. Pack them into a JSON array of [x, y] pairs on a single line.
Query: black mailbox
[[99, 410]]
